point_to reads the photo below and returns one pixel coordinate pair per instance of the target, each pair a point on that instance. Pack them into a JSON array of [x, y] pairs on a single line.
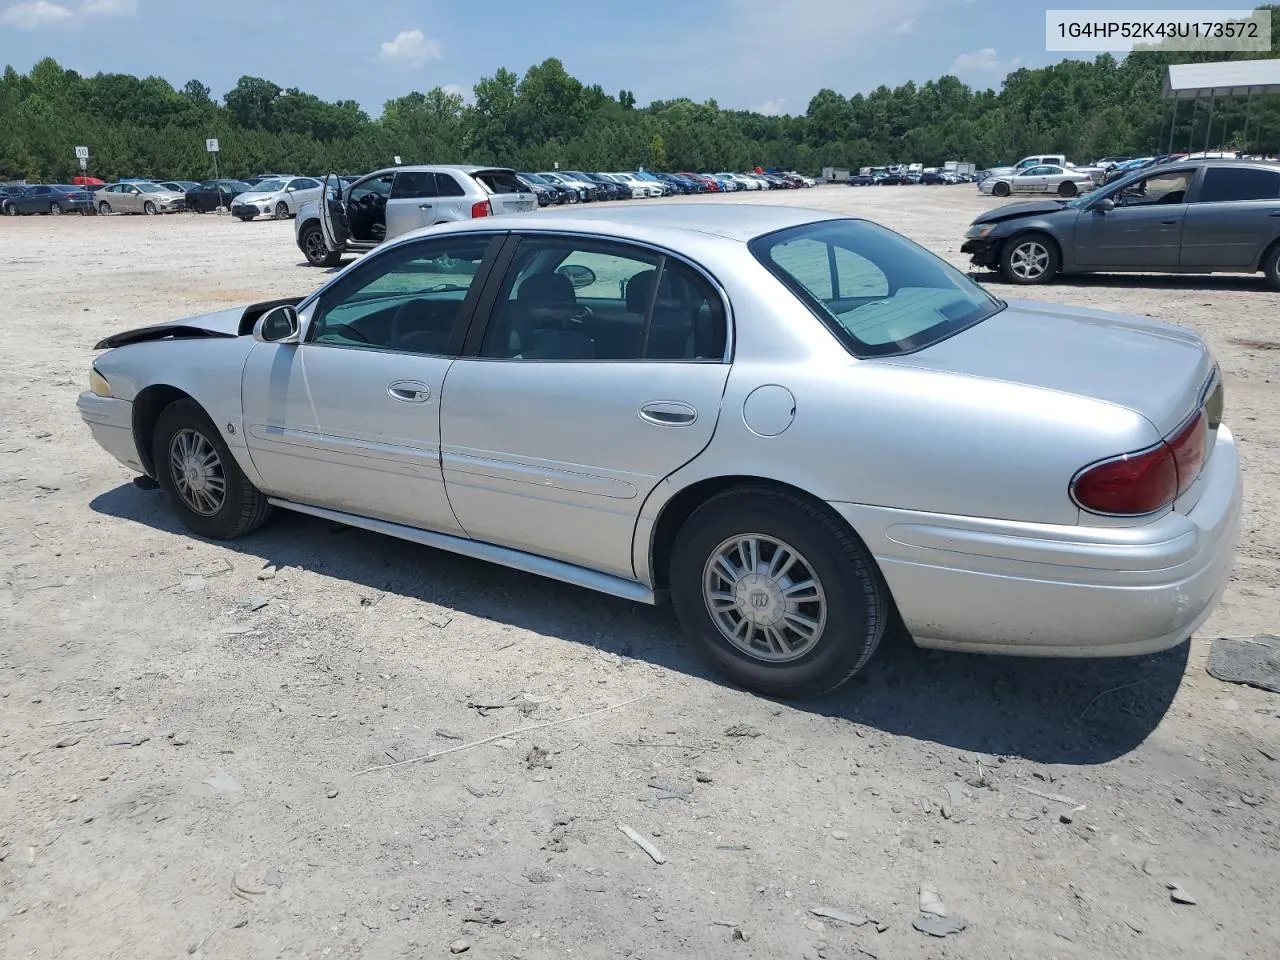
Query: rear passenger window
[[565, 300], [410, 184], [1240, 183]]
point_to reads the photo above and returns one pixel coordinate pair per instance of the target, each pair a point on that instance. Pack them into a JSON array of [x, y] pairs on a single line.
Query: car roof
[[734, 221]]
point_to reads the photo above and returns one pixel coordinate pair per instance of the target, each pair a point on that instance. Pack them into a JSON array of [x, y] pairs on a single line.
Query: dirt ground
[[183, 724]]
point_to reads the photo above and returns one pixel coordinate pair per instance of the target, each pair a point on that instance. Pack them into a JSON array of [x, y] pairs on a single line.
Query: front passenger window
[[408, 300]]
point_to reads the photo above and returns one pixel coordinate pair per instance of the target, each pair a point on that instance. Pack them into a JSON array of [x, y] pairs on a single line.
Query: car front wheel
[[282, 211], [777, 593], [204, 484], [315, 249], [1030, 258], [1000, 190], [149, 209]]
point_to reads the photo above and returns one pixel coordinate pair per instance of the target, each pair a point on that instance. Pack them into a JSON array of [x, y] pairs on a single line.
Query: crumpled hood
[[1026, 208]]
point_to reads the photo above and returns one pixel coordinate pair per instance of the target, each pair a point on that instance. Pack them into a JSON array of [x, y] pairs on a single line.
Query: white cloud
[[984, 60], [458, 90], [771, 108], [110, 8], [411, 48], [34, 14], [906, 26]]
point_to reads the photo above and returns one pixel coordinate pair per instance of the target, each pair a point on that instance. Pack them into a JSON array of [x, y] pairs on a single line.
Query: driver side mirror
[[278, 325], [289, 189], [1104, 205], [580, 276]]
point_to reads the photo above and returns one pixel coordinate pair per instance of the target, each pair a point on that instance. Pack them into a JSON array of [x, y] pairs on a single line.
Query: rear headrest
[[547, 288], [639, 289]]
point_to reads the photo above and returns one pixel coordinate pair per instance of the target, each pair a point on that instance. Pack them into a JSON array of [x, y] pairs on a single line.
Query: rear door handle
[[409, 391], [1275, 214], [668, 413], [424, 206], [1168, 223]]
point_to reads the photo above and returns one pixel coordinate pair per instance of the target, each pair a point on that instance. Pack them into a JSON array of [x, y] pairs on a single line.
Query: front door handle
[[1275, 214], [409, 391], [668, 413], [1168, 223], [424, 206]]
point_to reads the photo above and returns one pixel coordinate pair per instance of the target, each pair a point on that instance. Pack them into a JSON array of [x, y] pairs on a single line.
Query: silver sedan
[[136, 196], [1064, 181], [803, 429]]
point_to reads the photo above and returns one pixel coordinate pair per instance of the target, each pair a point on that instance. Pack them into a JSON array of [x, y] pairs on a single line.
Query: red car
[[710, 185]]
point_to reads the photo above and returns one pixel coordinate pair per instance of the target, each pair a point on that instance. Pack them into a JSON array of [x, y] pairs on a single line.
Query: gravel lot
[[178, 770]]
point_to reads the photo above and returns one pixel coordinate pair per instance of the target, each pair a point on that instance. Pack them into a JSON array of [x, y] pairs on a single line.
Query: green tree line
[[147, 128]]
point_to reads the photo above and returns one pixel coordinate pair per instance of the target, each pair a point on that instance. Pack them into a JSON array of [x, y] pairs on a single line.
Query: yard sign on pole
[[212, 146]]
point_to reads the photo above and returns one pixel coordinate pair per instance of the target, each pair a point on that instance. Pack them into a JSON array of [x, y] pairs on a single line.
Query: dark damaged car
[[1198, 216]]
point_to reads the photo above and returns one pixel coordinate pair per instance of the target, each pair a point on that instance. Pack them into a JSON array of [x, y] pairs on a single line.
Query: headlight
[[98, 383], [979, 230]]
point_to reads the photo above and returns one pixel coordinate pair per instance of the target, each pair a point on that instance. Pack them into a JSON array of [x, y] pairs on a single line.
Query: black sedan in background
[[179, 186], [54, 198], [213, 194]]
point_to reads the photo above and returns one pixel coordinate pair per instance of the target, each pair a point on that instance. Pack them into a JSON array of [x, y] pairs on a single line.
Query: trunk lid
[[1155, 369]]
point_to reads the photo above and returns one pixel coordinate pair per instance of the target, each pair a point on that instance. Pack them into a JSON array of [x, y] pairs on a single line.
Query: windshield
[[268, 186], [879, 293], [237, 185], [534, 178]]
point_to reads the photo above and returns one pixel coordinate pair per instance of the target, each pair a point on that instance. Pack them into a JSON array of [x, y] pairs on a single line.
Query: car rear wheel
[[1029, 258], [282, 211], [775, 592], [194, 206], [149, 209], [1000, 190], [316, 250], [1067, 189], [104, 208], [204, 484], [1271, 266], [55, 209]]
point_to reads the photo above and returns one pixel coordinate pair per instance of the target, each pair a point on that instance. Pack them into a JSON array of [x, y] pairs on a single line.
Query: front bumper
[[983, 251], [246, 210], [1027, 589], [111, 423]]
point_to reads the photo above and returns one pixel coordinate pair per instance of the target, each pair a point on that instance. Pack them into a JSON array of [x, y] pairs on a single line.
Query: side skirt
[[504, 556]]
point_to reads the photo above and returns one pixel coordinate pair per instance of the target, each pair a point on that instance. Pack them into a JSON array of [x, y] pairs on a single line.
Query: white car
[[744, 183], [1063, 181], [647, 188], [279, 198]]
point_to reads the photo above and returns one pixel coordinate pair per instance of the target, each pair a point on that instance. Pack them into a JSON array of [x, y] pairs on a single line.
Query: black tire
[[1020, 249], [243, 507], [858, 602], [55, 209], [1271, 266], [1067, 189], [1000, 189], [194, 206], [282, 211], [104, 208], [315, 249], [149, 209]]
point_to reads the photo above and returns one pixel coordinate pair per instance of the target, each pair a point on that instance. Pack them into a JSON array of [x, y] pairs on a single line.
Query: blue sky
[[768, 55]]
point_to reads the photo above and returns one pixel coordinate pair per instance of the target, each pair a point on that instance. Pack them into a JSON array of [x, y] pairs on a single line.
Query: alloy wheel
[[1029, 260], [764, 597], [197, 472]]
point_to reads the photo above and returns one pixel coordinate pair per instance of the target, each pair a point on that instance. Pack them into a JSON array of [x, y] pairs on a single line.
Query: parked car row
[[575, 186], [885, 178]]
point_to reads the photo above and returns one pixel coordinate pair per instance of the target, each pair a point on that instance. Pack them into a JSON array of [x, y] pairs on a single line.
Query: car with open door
[[801, 427], [358, 216], [1188, 216]]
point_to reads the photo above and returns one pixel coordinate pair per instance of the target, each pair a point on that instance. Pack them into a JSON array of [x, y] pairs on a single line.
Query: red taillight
[[482, 209], [1139, 483]]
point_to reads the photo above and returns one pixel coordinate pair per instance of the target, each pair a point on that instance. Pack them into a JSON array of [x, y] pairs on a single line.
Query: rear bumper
[[111, 423], [991, 586]]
